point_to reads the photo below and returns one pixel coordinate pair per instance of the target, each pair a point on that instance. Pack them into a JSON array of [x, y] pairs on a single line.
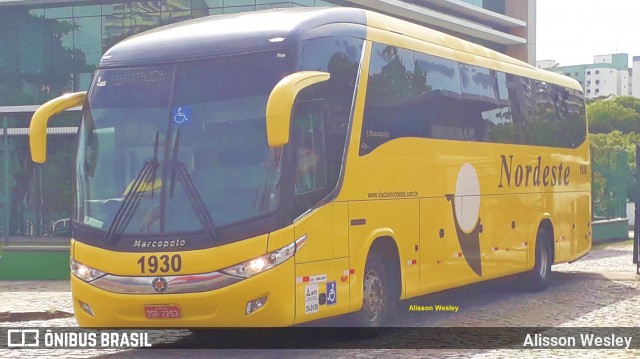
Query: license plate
[[164, 311]]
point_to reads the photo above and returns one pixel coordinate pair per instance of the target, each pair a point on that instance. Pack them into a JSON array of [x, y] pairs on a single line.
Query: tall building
[[608, 75], [546, 64], [635, 78], [52, 47]]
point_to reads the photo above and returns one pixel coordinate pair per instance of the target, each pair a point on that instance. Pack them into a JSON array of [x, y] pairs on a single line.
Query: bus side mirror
[[38, 125], [280, 104]]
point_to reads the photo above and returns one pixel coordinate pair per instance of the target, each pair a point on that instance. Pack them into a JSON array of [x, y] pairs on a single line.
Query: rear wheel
[[538, 277]]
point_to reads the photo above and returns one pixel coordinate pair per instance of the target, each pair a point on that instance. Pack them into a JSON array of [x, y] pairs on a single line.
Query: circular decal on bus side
[[467, 198]]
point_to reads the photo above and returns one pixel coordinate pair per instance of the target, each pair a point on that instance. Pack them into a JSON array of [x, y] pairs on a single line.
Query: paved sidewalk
[[34, 300], [611, 260]]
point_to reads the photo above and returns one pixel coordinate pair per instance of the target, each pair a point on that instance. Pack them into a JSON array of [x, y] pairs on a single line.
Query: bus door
[[322, 266]]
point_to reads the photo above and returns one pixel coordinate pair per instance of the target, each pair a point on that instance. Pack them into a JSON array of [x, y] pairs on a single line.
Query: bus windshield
[[178, 148]]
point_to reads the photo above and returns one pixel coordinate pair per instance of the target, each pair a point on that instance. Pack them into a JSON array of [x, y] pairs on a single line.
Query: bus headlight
[[265, 262], [84, 272]]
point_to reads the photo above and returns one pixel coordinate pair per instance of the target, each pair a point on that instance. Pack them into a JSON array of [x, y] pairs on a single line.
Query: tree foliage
[[612, 143], [614, 124], [619, 113]]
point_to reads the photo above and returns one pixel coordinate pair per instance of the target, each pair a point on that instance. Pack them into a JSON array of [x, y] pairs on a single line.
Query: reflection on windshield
[[171, 149]]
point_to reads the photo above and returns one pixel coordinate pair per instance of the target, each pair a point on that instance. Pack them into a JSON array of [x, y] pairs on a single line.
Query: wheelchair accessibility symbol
[[181, 114], [331, 293]]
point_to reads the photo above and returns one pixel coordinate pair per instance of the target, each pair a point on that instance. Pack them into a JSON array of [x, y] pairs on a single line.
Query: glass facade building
[[53, 47], [48, 51], [52, 50]]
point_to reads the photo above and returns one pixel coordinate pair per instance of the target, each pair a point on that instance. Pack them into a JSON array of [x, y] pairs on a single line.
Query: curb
[[30, 316]]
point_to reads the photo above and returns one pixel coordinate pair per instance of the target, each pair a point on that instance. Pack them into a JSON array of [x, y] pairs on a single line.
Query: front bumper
[[223, 307]]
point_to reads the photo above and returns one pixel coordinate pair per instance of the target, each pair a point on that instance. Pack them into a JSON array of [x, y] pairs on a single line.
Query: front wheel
[[376, 294]]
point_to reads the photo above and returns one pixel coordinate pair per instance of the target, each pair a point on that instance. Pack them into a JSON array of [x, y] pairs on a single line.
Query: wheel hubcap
[[373, 295]]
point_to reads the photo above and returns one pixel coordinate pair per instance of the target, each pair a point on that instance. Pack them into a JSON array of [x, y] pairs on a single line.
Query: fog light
[[255, 304], [87, 308]]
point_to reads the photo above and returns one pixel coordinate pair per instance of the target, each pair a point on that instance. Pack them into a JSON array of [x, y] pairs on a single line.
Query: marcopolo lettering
[[159, 244], [532, 175]]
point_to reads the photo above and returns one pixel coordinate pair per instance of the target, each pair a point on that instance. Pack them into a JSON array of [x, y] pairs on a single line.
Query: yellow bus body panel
[[313, 282]]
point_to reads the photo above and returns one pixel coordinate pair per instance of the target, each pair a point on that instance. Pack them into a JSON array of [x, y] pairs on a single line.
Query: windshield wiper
[[147, 177], [133, 195], [199, 207], [131, 200]]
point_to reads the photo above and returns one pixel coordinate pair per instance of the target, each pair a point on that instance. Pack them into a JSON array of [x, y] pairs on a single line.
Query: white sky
[[573, 31]]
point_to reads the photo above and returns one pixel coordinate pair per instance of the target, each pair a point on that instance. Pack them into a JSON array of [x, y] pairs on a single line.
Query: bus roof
[[404, 28], [280, 28], [227, 34]]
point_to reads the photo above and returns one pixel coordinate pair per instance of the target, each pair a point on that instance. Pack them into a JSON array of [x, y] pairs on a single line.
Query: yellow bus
[[274, 168]]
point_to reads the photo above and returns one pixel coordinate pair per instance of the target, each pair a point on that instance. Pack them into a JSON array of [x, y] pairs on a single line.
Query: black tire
[[376, 298], [538, 278]]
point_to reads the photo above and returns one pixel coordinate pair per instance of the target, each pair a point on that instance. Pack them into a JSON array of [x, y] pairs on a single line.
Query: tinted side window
[[547, 124], [434, 97], [543, 128], [561, 115], [546, 114], [574, 112], [481, 104], [444, 116], [522, 109], [393, 103], [441, 75], [478, 83], [498, 122]]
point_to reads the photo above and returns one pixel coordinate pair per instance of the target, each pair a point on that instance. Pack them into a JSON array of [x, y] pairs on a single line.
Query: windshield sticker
[[181, 114], [136, 78]]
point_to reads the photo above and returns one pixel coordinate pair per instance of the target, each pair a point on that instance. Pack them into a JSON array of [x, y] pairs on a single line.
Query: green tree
[[608, 115], [614, 142], [628, 102]]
